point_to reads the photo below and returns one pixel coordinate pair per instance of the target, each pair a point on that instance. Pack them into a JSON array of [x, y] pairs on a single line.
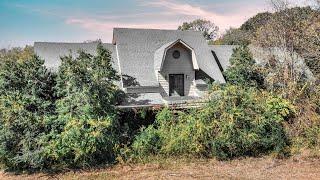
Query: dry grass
[[250, 168]]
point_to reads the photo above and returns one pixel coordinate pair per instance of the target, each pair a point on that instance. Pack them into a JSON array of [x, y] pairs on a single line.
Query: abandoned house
[[157, 67]]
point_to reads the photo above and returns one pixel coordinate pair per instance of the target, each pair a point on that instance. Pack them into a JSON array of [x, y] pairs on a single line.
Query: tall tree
[[84, 131], [208, 28], [244, 34], [295, 30], [243, 70], [26, 100], [254, 23], [233, 36]]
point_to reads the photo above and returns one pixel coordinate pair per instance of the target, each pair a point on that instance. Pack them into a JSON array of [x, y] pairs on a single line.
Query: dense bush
[[304, 129], [26, 99], [235, 122], [62, 120], [243, 69], [84, 132], [131, 121], [82, 142]]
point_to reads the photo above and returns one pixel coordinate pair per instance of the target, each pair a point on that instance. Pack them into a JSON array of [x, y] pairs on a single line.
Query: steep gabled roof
[[223, 53], [137, 48], [134, 52], [160, 55]]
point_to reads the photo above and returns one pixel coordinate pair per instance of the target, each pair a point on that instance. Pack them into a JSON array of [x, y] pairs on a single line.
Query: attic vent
[[176, 54]]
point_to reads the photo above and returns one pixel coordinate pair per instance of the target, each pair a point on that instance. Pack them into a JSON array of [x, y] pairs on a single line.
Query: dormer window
[[176, 54]]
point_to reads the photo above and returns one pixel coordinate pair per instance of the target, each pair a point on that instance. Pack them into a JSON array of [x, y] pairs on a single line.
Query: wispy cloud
[[197, 11], [96, 19], [168, 14], [84, 20], [101, 26]]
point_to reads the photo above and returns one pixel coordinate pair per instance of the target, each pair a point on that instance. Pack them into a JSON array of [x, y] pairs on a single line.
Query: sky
[[23, 22]]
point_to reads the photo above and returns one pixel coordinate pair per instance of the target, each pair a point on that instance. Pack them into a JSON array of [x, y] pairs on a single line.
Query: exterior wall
[[182, 65]]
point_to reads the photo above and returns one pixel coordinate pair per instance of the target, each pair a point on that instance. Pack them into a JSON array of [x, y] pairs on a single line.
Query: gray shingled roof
[[136, 48], [223, 53], [261, 56], [158, 56], [51, 52]]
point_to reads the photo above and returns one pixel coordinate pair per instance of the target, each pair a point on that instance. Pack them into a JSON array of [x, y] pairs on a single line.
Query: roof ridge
[[46, 42], [154, 29], [210, 45]]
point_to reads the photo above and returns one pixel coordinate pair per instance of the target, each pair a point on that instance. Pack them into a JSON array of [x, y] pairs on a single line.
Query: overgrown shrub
[[83, 142], [243, 69], [235, 122], [63, 120], [26, 99], [84, 132], [249, 122], [148, 142], [304, 129], [131, 121]]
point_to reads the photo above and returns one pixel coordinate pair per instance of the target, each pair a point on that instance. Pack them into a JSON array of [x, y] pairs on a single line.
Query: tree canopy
[[208, 28], [63, 119], [292, 29], [243, 70], [17, 53]]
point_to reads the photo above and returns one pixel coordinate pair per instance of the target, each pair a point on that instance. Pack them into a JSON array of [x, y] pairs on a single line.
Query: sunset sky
[[25, 21]]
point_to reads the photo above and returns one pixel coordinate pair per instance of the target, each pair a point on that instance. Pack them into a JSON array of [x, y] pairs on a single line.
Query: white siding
[[183, 65]]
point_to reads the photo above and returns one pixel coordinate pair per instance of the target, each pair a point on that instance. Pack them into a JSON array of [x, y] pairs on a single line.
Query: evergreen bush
[[235, 122], [58, 120], [86, 114], [26, 99]]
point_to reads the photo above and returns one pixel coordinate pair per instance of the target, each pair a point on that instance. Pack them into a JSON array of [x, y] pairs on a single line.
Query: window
[[176, 54]]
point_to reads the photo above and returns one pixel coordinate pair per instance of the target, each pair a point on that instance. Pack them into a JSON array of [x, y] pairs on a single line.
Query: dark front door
[[176, 85]]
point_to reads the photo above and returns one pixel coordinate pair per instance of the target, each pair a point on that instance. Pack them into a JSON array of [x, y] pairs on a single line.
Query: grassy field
[[249, 168]]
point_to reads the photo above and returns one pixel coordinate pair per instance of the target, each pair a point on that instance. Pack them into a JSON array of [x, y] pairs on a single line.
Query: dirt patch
[[250, 168]]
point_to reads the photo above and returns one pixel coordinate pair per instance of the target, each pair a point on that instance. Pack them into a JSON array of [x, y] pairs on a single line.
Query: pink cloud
[[171, 14], [223, 21], [103, 29]]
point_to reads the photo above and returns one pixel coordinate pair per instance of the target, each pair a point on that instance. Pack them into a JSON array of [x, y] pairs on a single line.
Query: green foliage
[[304, 129], [244, 34], [63, 120], [131, 121], [243, 70], [84, 131], [83, 142], [208, 29], [86, 85], [233, 36], [235, 122], [147, 143], [26, 99], [256, 22], [17, 54]]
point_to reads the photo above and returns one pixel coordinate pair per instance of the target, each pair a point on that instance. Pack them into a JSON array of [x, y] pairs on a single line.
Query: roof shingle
[[137, 47]]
